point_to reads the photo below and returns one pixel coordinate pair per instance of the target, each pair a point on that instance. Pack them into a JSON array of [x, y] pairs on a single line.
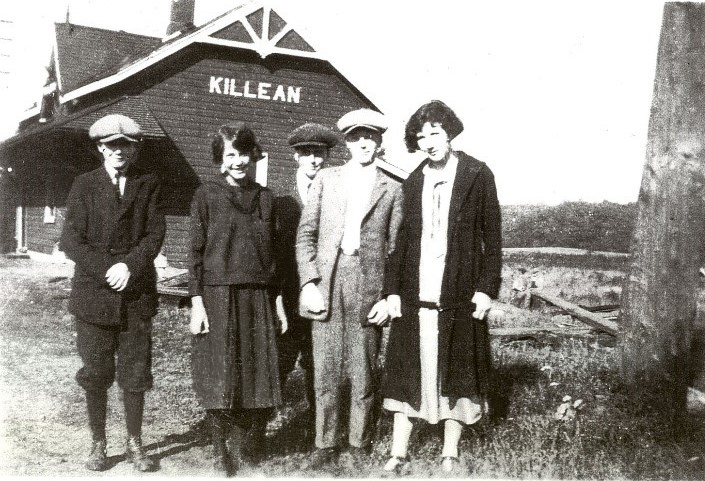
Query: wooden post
[[660, 293]]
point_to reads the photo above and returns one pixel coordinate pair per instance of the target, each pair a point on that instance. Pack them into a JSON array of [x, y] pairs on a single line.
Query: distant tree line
[[582, 225]]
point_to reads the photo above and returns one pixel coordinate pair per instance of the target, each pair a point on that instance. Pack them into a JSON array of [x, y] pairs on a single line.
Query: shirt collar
[[111, 172], [447, 174], [303, 182], [355, 167], [302, 179]]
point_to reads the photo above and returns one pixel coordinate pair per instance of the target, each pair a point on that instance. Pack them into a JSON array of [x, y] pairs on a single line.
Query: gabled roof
[[85, 54], [89, 59], [134, 107], [252, 26]]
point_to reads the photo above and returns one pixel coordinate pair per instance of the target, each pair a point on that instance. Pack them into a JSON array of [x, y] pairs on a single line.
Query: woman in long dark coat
[[235, 366], [441, 279]]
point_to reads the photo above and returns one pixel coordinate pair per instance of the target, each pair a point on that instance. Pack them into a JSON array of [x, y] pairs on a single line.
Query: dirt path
[[43, 420]]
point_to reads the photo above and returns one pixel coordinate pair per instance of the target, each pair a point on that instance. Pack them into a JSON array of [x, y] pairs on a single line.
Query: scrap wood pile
[[591, 319]]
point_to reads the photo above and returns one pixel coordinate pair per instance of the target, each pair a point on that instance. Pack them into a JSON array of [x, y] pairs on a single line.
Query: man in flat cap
[[113, 231], [311, 143], [348, 228]]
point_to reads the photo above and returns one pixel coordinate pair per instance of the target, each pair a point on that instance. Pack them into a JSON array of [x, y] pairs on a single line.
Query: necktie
[[116, 182]]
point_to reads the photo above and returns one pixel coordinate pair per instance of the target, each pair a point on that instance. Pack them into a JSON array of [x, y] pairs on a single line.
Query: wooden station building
[[248, 64]]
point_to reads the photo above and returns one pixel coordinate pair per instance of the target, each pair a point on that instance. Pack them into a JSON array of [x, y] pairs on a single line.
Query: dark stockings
[[97, 402], [243, 429], [134, 408]]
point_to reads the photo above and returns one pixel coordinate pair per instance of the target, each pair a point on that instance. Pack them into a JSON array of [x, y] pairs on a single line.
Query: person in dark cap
[[311, 143], [114, 229], [348, 228]]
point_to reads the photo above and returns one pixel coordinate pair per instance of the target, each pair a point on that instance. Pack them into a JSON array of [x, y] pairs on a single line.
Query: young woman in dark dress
[[235, 367]]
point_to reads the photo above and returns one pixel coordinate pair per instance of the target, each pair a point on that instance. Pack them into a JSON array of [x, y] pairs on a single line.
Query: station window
[[49, 214], [261, 168]]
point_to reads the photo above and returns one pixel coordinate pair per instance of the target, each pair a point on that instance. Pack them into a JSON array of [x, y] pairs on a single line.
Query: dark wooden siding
[[189, 114], [43, 237], [8, 203], [177, 92], [177, 241]]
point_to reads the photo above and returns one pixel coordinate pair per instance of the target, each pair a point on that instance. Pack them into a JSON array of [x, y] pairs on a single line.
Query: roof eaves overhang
[[82, 119]]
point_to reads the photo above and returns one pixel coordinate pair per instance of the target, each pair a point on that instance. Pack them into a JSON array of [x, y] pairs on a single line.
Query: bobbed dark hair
[[242, 138], [434, 112]]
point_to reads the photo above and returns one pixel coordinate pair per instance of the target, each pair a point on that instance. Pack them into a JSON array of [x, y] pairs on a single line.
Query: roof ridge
[[91, 27]]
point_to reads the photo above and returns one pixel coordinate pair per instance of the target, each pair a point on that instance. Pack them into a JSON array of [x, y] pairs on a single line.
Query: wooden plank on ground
[[579, 313], [172, 291], [180, 278], [524, 332]]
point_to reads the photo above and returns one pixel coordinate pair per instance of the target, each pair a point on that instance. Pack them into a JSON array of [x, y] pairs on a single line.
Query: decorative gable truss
[[253, 26], [264, 31]]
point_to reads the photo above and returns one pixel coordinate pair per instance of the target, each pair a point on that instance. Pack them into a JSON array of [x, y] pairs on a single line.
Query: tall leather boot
[[97, 402], [218, 421], [134, 408]]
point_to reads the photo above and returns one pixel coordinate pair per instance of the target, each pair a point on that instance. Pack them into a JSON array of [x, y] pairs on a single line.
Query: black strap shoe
[[135, 455], [98, 458]]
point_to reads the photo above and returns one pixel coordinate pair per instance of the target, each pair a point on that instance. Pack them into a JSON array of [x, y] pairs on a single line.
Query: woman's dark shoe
[[252, 444], [98, 458], [221, 466], [135, 455], [221, 460], [236, 440], [322, 457], [359, 454]]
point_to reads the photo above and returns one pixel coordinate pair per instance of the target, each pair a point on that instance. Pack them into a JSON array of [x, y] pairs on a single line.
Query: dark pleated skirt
[[235, 365]]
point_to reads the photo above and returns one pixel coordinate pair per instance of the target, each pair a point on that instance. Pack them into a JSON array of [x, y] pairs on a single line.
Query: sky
[[555, 95]]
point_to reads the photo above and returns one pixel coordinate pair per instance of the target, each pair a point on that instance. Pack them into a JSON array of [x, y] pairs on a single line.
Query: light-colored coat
[[321, 231]]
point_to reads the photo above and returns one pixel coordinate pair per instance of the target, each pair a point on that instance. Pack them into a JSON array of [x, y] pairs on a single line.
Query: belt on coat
[[350, 252], [448, 307]]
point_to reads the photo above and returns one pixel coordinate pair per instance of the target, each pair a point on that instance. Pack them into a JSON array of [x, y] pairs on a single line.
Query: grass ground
[[609, 436]]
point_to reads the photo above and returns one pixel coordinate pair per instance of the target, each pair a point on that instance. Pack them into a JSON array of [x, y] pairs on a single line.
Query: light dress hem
[[434, 407], [465, 411]]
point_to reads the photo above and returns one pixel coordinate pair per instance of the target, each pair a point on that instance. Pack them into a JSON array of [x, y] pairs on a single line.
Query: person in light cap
[[363, 119], [311, 143], [113, 127], [113, 232], [348, 228]]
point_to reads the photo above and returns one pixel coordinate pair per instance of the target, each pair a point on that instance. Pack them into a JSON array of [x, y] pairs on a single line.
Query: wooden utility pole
[[660, 293]]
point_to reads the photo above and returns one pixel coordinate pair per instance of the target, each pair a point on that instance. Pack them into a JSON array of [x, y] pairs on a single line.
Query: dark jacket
[[288, 214], [232, 235], [101, 231], [473, 263]]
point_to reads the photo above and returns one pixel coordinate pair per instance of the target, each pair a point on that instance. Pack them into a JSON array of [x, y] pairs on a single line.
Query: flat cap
[[312, 134], [366, 118], [115, 126]]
